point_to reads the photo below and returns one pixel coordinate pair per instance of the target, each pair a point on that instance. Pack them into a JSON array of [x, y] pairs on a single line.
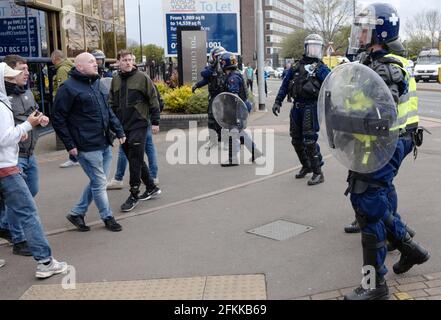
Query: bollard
[[439, 75]]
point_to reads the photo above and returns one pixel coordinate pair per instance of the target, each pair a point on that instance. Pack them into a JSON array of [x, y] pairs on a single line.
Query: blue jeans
[[151, 156], [96, 165], [22, 211], [29, 169]]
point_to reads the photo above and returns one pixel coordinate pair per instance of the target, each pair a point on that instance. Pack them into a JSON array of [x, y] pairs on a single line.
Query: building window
[[120, 39], [75, 36], [107, 9], [109, 39], [122, 13], [76, 4], [115, 11], [96, 10], [93, 34]]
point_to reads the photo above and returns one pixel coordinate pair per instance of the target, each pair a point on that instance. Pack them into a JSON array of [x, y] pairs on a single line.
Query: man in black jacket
[[83, 120], [133, 98]]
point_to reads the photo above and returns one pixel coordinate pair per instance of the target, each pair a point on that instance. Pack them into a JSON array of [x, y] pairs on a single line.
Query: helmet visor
[[314, 49], [361, 32]]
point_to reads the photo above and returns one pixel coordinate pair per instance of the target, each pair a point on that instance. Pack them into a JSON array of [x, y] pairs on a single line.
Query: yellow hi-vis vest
[[359, 102], [408, 104]]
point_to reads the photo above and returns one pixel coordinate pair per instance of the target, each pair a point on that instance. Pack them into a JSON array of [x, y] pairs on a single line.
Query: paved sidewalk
[[424, 287]]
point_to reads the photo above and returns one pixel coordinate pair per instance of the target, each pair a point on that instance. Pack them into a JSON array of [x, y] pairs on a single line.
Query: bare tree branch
[[327, 17]]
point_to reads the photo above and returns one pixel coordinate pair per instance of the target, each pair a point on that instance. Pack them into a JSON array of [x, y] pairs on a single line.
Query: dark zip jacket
[[81, 118], [134, 100]]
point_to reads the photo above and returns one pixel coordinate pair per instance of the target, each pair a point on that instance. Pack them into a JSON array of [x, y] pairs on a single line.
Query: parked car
[[278, 73], [270, 71], [427, 65]]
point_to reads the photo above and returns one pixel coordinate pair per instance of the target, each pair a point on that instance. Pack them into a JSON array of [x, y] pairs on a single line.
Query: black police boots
[[412, 253], [381, 292], [303, 172], [353, 227], [391, 245]]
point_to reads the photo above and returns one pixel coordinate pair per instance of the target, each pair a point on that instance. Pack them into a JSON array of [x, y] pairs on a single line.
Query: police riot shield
[[105, 84], [230, 111], [359, 117]]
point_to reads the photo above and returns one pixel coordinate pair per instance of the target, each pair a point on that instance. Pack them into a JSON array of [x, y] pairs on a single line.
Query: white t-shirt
[[10, 136]]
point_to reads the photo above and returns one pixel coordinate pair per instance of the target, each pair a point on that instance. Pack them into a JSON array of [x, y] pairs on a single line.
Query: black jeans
[[134, 150]]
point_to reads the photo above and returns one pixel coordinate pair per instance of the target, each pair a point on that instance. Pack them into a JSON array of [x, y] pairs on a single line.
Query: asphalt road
[[430, 104]]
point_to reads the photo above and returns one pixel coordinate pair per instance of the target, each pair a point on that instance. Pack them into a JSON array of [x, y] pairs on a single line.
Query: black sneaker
[[316, 179], [112, 225], [130, 204], [303, 172], [21, 249], [381, 292], [5, 234], [147, 195], [78, 221]]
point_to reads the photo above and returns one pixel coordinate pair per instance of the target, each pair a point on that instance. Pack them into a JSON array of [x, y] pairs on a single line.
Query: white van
[[427, 65]]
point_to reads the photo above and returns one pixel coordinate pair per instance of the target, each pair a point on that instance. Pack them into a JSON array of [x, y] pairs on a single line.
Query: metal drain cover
[[280, 230]]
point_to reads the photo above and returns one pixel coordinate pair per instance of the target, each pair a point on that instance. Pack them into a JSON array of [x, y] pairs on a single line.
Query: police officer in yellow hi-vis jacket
[[375, 36]]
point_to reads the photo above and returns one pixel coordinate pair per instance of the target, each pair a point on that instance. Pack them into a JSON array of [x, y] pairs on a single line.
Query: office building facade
[[281, 17]]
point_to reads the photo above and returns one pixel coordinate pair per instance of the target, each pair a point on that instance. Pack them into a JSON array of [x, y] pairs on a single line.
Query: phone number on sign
[[16, 49]]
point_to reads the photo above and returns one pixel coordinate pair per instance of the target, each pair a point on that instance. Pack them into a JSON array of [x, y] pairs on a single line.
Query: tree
[[327, 17], [293, 45], [425, 25], [341, 39], [151, 51], [415, 45]]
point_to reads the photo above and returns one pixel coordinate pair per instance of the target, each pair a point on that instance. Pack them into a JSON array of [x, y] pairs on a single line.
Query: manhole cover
[[280, 230]]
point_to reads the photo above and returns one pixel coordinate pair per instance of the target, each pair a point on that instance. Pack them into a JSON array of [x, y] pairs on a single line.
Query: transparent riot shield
[[358, 117], [230, 111]]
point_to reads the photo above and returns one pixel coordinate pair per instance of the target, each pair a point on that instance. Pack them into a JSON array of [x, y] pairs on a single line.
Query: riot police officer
[[302, 83], [214, 77], [101, 61], [235, 84], [375, 33]]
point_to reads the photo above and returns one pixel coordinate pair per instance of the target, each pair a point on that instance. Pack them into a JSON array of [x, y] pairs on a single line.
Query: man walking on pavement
[[249, 76], [23, 104], [303, 82], [14, 193], [63, 67], [133, 97], [84, 121]]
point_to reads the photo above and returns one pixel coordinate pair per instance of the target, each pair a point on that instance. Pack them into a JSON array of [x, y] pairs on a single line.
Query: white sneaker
[[2, 263], [52, 268], [69, 163], [115, 185]]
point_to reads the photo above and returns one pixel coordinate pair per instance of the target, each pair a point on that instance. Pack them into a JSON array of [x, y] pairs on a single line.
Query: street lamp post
[[140, 29], [260, 54]]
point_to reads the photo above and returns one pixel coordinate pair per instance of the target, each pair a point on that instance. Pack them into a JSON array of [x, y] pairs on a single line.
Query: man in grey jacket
[[23, 104]]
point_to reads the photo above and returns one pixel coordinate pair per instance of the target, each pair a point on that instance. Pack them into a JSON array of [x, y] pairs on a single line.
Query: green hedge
[[182, 100]]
